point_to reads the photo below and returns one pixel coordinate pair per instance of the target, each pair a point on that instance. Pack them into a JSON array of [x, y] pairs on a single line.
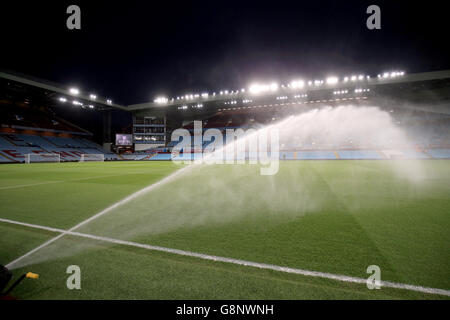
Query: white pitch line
[[230, 260], [110, 208], [59, 181], [28, 185]]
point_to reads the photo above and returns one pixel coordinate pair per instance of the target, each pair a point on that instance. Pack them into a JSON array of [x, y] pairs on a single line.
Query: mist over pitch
[[220, 194]]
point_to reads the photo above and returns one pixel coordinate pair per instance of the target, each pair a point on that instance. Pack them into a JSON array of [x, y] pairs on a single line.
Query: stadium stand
[[439, 153], [359, 154], [28, 129], [22, 116], [316, 155], [30, 124], [13, 147]]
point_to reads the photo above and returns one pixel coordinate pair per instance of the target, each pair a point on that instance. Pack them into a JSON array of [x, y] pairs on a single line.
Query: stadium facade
[[419, 103], [428, 93]]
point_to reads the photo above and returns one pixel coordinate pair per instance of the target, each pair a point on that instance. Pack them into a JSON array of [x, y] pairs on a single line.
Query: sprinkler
[[6, 276]]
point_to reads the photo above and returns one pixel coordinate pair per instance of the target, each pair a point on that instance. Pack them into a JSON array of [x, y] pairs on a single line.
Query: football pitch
[[330, 217]]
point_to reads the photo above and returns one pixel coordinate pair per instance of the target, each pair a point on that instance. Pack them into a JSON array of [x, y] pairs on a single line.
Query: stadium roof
[[300, 86], [64, 93], [220, 98]]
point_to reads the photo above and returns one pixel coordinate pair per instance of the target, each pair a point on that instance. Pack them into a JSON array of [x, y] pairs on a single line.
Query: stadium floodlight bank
[[42, 157], [92, 157]]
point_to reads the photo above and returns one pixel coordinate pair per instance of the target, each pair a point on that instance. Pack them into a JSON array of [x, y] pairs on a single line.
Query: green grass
[[330, 216]]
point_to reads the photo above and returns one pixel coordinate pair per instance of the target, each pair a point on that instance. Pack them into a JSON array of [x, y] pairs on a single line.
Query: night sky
[[133, 51]]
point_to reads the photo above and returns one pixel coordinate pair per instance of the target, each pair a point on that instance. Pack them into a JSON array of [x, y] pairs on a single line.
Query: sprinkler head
[[32, 275], [5, 276]]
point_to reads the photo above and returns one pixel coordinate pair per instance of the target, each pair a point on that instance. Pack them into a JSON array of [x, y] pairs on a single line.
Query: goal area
[[42, 157], [85, 157]]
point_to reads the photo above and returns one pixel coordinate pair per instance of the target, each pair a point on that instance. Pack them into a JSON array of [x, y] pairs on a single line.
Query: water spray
[[335, 126]]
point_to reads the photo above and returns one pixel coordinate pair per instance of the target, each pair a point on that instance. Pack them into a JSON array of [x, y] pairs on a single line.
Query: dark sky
[[132, 51]]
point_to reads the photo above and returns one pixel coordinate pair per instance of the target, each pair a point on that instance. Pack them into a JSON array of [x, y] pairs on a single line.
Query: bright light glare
[[93, 96], [260, 88], [332, 80], [254, 88], [74, 91], [62, 99], [161, 100], [297, 84]]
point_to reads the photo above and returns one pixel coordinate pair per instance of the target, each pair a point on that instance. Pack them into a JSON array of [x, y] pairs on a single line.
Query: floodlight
[[259, 88], [161, 100], [255, 89], [297, 84], [332, 80]]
